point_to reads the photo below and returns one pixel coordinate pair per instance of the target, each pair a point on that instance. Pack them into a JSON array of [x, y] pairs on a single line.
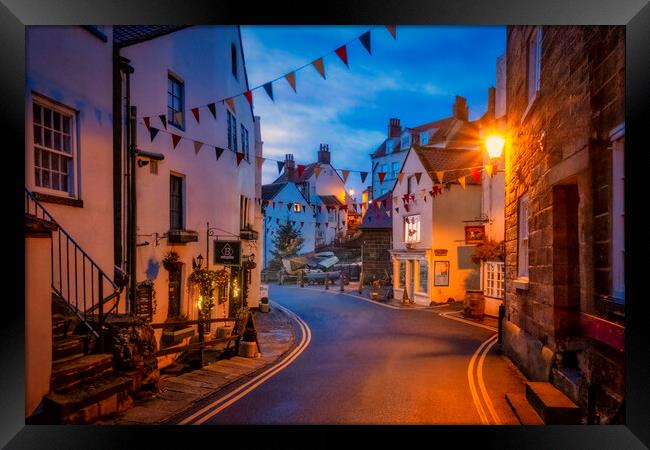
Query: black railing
[[76, 277]]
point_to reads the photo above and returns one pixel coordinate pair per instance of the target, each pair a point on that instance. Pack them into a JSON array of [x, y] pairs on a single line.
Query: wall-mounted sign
[[227, 253], [475, 234], [144, 301], [440, 252], [441, 273]]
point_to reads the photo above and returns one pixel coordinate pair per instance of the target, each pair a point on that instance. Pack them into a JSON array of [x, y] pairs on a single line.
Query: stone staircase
[[84, 385], [544, 404]]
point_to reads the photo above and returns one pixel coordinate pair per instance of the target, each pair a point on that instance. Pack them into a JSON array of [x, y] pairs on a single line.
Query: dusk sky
[[414, 78]]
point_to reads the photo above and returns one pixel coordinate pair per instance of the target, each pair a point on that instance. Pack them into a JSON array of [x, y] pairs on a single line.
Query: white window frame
[[405, 141], [389, 146], [618, 214], [533, 68], [412, 224], [522, 238], [394, 170], [494, 277], [172, 119], [73, 172]]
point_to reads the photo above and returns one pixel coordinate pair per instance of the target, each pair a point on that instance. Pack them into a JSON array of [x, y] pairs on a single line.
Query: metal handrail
[[74, 283]]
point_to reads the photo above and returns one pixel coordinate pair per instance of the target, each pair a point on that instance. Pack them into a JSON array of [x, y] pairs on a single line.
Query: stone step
[[63, 324], [525, 413], [68, 374], [88, 401], [65, 347], [551, 404]]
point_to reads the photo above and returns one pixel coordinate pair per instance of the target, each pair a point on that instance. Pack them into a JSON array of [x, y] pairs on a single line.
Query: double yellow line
[[480, 393], [214, 408]]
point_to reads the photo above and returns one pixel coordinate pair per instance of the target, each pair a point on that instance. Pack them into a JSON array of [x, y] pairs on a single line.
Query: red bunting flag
[[392, 29], [319, 65], [147, 122], [231, 104], [240, 156], [477, 175], [291, 79], [343, 54], [381, 175], [249, 96], [301, 169], [345, 175], [195, 111], [175, 139]]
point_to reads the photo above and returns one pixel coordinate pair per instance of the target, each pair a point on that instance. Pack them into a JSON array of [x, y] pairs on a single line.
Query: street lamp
[[494, 144]]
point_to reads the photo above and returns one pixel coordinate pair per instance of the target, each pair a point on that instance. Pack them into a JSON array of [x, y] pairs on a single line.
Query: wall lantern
[[494, 144]]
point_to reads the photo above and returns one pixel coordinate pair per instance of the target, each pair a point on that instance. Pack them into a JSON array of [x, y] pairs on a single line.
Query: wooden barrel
[[474, 305]]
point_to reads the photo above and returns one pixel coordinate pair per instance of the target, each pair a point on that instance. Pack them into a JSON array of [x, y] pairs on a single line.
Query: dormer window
[[389, 146], [406, 140], [424, 138]]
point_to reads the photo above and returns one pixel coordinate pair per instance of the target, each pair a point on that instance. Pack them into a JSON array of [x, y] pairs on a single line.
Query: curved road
[[369, 364]]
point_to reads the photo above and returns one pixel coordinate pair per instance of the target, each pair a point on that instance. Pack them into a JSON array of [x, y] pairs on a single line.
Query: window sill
[[48, 198], [182, 236], [521, 283]]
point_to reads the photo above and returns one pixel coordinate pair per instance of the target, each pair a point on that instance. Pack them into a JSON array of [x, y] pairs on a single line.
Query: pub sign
[[227, 253]]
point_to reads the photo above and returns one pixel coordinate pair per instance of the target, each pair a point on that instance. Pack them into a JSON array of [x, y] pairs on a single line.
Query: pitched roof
[[306, 174], [330, 200], [269, 191], [378, 216], [124, 35], [447, 159]]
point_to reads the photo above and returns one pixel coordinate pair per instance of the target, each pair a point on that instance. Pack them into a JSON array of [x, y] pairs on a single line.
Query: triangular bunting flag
[[381, 175], [418, 175], [440, 175], [363, 176], [163, 119], [153, 132], [397, 210], [213, 109], [345, 173], [231, 104], [477, 175], [240, 156], [280, 166], [461, 180], [268, 87], [343, 54], [291, 78], [400, 177], [301, 224], [392, 29], [147, 122], [175, 139], [197, 147], [249, 96], [195, 111], [365, 40], [218, 152], [289, 205], [489, 169], [320, 66], [317, 170], [178, 117], [301, 169]]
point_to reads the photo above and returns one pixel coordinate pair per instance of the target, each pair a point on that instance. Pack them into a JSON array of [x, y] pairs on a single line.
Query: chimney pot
[[394, 128], [324, 155], [460, 109]]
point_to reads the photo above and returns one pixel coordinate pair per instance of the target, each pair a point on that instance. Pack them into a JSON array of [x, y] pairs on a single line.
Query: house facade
[[190, 195], [431, 261], [564, 217]]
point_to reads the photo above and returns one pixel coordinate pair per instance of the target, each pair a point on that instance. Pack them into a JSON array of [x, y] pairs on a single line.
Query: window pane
[[37, 176], [424, 273], [66, 144], [56, 123], [45, 160], [66, 165], [46, 179], [37, 113], [402, 274], [66, 125], [64, 185], [47, 118], [37, 157], [55, 181], [48, 138], [57, 141], [38, 138], [55, 162]]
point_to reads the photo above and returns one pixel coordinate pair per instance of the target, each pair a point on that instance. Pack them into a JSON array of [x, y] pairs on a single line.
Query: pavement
[[179, 392]]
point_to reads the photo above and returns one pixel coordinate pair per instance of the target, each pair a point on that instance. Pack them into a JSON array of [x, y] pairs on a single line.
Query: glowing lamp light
[[494, 145], [351, 192]]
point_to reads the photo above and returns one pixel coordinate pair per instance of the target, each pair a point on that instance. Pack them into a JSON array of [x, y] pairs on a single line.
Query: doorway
[[174, 309]]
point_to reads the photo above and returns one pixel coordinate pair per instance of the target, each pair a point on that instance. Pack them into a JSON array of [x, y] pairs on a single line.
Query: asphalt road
[[368, 364]]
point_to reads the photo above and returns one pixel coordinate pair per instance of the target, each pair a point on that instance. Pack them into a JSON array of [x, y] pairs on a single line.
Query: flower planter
[[247, 349], [474, 306], [223, 331], [171, 337], [264, 307]]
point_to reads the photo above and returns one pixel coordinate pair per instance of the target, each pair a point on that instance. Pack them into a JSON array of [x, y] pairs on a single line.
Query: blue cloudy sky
[[414, 78]]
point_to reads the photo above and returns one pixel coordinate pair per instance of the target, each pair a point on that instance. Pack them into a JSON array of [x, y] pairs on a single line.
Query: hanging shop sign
[[227, 253], [440, 252], [474, 234]]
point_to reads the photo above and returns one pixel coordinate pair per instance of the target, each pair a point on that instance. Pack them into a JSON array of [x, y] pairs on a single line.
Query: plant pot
[[222, 332], [247, 349], [264, 307], [474, 305], [171, 337]]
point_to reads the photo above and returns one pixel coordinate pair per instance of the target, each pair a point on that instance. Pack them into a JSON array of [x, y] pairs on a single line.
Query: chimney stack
[[394, 128], [289, 166], [461, 112], [491, 102], [324, 156]]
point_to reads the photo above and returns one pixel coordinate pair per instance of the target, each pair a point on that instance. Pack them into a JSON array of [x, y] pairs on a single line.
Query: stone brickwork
[[560, 156], [375, 257]]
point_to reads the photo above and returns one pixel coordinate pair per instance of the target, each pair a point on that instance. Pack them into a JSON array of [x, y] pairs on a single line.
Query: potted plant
[[207, 281], [248, 343], [171, 260], [177, 333], [264, 305]]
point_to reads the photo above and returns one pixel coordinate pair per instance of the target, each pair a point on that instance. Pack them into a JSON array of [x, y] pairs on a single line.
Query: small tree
[[287, 241]]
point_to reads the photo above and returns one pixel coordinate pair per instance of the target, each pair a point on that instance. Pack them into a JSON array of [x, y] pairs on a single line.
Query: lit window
[[534, 63], [424, 276], [424, 138], [494, 276], [522, 268], [412, 229], [402, 274], [175, 101], [54, 146], [297, 207]]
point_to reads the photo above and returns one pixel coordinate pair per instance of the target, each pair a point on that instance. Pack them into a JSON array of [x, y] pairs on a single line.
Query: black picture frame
[[635, 14]]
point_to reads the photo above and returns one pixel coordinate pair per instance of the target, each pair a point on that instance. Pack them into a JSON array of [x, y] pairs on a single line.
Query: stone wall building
[[376, 237], [565, 292]]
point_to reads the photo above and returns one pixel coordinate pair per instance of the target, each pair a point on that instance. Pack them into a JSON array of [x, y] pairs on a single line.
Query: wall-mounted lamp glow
[[494, 145]]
